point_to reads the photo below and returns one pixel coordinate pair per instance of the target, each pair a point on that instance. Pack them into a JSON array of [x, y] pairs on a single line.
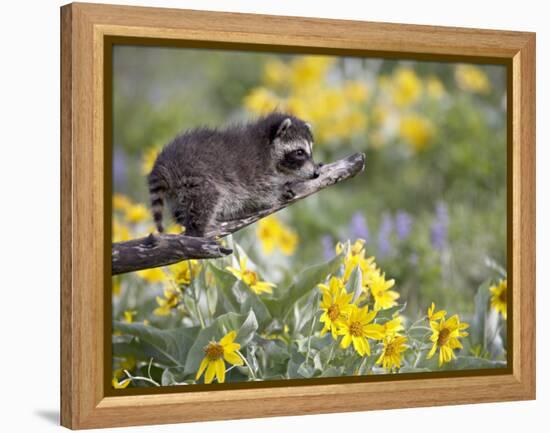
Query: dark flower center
[[214, 351], [333, 312]]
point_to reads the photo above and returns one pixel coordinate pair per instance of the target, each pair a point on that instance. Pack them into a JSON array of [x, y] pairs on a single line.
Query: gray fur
[[208, 175]]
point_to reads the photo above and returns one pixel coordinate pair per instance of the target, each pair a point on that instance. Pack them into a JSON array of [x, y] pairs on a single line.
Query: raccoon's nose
[[316, 172]]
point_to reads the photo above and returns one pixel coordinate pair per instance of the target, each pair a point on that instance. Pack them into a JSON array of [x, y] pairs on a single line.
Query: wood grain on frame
[[84, 403]]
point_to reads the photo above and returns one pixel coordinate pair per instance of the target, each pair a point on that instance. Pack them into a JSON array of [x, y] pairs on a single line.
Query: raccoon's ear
[[283, 127], [308, 126]]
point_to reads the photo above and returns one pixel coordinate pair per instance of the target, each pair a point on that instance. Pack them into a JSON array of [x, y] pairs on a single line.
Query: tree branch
[[163, 249]]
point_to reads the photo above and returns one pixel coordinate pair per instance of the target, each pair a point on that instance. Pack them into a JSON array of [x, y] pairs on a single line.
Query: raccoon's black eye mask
[[295, 159]]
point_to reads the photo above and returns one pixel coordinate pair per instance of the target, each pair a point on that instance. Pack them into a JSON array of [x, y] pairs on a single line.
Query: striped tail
[[157, 190]]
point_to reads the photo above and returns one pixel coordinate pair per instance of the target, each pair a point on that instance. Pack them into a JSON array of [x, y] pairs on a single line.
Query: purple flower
[[403, 225], [384, 233], [328, 247], [358, 227], [440, 226], [120, 169]]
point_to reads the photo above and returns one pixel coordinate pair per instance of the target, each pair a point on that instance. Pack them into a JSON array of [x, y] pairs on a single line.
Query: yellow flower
[[393, 327], [276, 73], [172, 298], [288, 240], [137, 213], [121, 202], [416, 130], [498, 298], [273, 233], [261, 101], [356, 91], [149, 158], [445, 337], [406, 87], [391, 355], [335, 305], [184, 272], [357, 329], [434, 87], [120, 232], [379, 288], [269, 231], [216, 353], [472, 78], [250, 278], [153, 275], [116, 287], [129, 316], [120, 385], [356, 257], [308, 71], [433, 315]]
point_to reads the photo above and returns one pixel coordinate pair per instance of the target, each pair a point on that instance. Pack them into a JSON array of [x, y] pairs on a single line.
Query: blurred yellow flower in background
[[406, 87], [498, 297], [137, 213], [172, 298], [116, 286], [148, 160], [260, 100], [335, 305], [274, 234], [307, 71], [416, 130], [121, 202], [250, 278], [445, 337], [434, 87], [215, 354], [357, 329], [301, 88], [356, 91], [392, 353], [472, 78], [120, 232], [276, 73], [129, 315], [152, 275]]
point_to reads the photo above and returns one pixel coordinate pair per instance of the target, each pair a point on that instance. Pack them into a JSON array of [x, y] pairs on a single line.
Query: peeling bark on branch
[[163, 249]]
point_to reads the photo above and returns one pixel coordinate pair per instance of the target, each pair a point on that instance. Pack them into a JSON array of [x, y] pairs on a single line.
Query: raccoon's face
[[293, 150]]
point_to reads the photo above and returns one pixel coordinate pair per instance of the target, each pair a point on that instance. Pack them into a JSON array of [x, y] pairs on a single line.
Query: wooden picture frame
[[85, 28]]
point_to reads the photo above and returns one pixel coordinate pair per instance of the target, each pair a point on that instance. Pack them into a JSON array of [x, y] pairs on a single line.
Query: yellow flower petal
[[204, 364], [220, 370], [210, 372]]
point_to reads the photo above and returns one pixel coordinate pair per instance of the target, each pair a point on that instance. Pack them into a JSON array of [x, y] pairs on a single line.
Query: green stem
[[334, 344], [248, 365], [146, 379]]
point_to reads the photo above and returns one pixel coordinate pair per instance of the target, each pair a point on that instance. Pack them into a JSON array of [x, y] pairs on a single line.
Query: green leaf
[[472, 362], [355, 284], [244, 325], [388, 313], [303, 283], [239, 297], [173, 344]]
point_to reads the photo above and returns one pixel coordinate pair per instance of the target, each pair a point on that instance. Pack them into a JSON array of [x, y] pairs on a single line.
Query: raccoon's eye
[[300, 152]]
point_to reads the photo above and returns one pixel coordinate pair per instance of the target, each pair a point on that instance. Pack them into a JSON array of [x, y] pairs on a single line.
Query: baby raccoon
[[208, 175]]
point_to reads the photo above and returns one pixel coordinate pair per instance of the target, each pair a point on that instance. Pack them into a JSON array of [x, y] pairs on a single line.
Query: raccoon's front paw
[[288, 193]]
